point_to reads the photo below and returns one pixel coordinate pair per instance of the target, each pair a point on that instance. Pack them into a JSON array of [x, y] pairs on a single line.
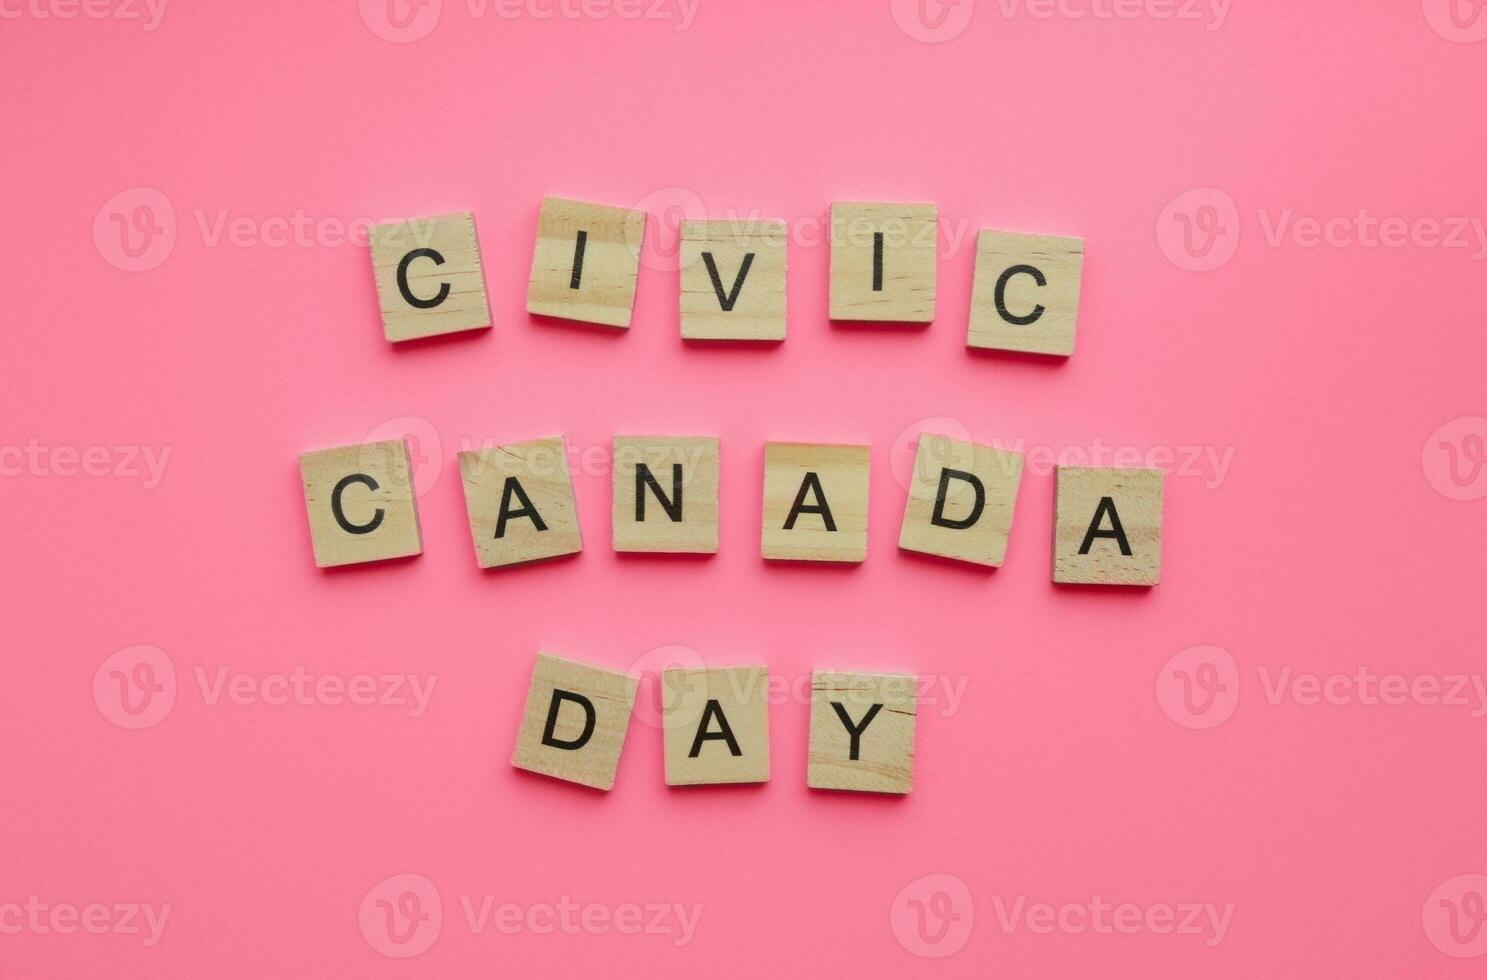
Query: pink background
[[1068, 770]]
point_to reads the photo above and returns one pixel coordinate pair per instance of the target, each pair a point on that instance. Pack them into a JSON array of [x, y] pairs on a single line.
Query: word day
[[586, 261], [715, 726], [520, 503]]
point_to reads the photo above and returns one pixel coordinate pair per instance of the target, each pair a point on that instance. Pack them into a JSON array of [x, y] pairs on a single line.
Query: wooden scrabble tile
[[1026, 292], [573, 726], [429, 278], [1107, 526], [883, 262], [360, 502], [961, 497], [862, 732], [586, 261], [520, 501], [815, 502], [666, 494], [716, 723], [733, 280]]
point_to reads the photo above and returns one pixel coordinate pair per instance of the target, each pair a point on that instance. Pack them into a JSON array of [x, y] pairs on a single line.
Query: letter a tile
[[815, 502], [1107, 526], [520, 501]]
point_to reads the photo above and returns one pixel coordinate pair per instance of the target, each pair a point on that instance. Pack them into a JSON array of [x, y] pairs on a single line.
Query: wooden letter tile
[[960, 500], [716, 724], [883, 262], [862, 732], [733, 280], [360, 502], [429, 279], [1107, 526], [666, 494], [815, 502], [585, 263], [520, 500], [574, 723], [1026, 292]]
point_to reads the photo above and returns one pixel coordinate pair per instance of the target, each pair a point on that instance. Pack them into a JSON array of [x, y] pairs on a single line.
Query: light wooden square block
[[883, 262], [586, 261], [716, 723], [520, 501], [666, 494], [1026, 292], [1107, 526], [573, 726], [361, 503], [815, 502], [429, 278], [961, 498], [862, 732], [733, 280]]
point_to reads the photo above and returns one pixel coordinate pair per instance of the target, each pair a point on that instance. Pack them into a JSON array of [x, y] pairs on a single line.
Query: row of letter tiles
[[520, 502], [715, 726], [586, 261]]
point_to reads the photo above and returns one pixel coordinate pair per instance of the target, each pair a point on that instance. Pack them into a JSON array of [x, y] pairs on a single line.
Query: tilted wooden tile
[[716, 723], [883, 262], [961, 498], [815, 502], [361, 503], [586, 261], [1107, 526], [733, 280], [666, 494], [862, 732], [429, 277], [520, 501], [574, 723], [1026, 292]]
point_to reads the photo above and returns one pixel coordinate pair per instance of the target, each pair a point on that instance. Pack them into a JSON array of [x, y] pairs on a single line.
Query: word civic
[[521, 506]]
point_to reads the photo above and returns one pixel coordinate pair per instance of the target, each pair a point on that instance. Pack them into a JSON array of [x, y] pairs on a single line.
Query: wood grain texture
[[453, 272], [610, 695], [521, 478], [717, 702], [605, 289], [902, 288], [1106, 499], [832, 476], [685, 469], [376, 500], [752, 301], [882, 708], [979, 485], [1039, 277]]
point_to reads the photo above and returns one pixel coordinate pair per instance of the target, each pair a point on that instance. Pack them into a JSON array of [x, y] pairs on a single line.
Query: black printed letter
[[813, 484], [1001, 294], [340, 515], [422, 304], [558, 697], [856, 730], [1107, 506], [939, 519], [513, 488], [712, 710], [673, 507]]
